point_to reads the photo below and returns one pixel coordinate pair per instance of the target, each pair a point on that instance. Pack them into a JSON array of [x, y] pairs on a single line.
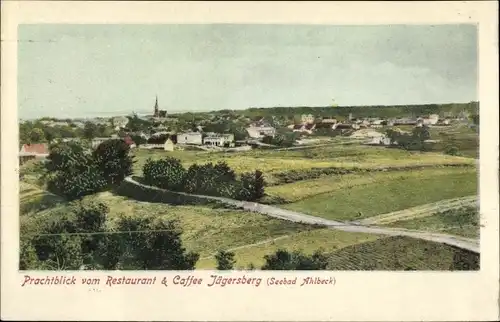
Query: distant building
[[169, 145], [257, 132], [329, 120], [120, 122], [307, 119], [189, 138], [129, 142], [219, 140], [33, 151], [157, 113], [304, 128]]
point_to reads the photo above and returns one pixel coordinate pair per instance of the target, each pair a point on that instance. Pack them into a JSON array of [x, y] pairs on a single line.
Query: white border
[[360, 296]]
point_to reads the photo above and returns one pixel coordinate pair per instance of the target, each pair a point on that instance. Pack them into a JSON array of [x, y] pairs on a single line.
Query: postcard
[[250, 161]]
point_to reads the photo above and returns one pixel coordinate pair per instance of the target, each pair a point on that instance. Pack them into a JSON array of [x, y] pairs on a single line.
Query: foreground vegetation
[[402, 253]]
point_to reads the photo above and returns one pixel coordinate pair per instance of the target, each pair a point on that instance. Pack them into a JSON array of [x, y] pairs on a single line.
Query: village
[[156, 131]]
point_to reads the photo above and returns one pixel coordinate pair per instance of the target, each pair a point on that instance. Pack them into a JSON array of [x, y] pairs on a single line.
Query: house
[[169, 145], [33, 151], [405, 121], [257, 132], [383, 140], [120, 122], [307, 118], [189, 138], [329, 126], [219, 140], [328, 120], [345, 126], [129, 142], [304, 128]]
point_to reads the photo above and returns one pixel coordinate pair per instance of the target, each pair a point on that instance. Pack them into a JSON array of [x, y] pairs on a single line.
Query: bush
[[284, 260], [451, 150], [75, 184], [225, 260]]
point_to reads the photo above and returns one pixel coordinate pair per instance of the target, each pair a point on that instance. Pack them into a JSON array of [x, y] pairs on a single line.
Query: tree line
[[207, 179]]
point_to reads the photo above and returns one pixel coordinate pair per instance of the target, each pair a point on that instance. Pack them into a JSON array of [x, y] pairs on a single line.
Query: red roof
[[39, 148], [128, 140]]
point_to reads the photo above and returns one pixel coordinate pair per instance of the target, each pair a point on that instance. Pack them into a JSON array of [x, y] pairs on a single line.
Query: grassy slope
[[402, 253], [206, 229], [394, 193], [462, 222]]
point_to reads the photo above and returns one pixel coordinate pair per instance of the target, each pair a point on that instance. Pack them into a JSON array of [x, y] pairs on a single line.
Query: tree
[[90, 130], [166, 173], [65, 156], [157, 245], [72, 172], [138, 139], [267, 139], [421, 133], [50, 134], [28, 259], [475, 119], [225, 260], [90, 217], [113, 160], [252, 186], [36, 135], [59, 250], [284, 260]]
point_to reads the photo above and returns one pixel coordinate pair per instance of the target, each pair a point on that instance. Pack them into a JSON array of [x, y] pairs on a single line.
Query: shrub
[[225, 260], [284, 260], [451, 150]]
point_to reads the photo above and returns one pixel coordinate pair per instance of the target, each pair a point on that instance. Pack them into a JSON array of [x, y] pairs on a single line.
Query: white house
[[257, 132], [219, 139], [329, 120], [189, 138], [307, 118]]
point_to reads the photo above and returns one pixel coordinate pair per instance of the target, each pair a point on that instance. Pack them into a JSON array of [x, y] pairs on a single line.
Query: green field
[[402, 253], [386, 193], [462, 222]]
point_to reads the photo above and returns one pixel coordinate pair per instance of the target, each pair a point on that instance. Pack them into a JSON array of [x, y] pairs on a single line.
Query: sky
[[69, 71]]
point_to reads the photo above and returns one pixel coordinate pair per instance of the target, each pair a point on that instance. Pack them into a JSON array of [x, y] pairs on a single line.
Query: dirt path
[[420, 211], [271, 211]]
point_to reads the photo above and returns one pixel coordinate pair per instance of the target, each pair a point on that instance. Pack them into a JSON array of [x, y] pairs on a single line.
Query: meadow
[[354, 197], [461, 222]]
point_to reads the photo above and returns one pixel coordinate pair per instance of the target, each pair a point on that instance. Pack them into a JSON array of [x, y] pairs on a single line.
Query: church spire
[[157, 111]]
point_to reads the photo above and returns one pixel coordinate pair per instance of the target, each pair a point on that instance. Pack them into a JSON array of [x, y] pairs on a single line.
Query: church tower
[[157, 111]]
